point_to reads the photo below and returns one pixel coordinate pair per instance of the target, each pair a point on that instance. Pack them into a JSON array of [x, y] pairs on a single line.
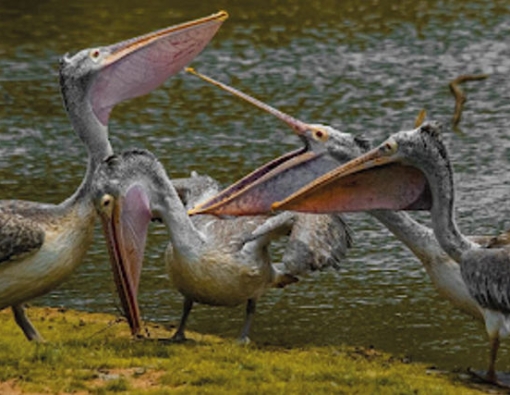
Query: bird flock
[[218, 239]]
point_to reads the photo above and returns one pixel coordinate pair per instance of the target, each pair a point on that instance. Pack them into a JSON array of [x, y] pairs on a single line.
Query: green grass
[[90, 353]]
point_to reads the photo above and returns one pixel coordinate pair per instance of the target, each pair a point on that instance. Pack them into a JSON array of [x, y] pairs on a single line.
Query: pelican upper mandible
[[41, 244], [222, 262]]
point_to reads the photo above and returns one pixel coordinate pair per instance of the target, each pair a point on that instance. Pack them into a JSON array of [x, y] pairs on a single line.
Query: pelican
[[41, 244], [485, 269], [289, 182], [484, 265], [219, 262]]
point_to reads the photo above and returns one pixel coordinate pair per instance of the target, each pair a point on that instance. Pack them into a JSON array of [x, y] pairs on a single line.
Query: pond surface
[[363, 67]]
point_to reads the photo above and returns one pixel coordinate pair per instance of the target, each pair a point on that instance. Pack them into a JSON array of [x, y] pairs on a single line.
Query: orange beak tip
[[223, 15], [193, 211]]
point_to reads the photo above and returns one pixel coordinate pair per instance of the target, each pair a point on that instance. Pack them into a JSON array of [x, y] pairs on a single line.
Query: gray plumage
[[19, 236], [315, 242], [486, 271]]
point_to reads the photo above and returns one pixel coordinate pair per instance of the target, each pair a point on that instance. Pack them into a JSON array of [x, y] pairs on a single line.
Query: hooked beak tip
[[222, 15], [193, 211]]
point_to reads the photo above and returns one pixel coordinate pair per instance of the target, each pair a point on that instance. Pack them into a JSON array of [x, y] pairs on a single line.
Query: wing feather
[[316, 242], [19, 236], [486, 272]]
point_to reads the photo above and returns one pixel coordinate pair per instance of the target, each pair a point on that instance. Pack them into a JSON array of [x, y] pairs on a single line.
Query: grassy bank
[[93, 353]]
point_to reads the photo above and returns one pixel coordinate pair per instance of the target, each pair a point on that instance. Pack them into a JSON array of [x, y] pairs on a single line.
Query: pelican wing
[[195, 188], [19, 236], [486, 272], [316, 242]]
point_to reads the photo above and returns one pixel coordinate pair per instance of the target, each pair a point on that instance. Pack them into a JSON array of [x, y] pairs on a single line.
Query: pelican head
[[104, 76], [126, 191], [293, 182], [324, 148]]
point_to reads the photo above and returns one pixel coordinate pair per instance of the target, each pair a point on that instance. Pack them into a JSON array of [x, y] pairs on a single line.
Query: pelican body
[[41, 244], [210, 260]]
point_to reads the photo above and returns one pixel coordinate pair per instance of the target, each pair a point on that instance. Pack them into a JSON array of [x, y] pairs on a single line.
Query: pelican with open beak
[[410, 170], [324, 149], [41, 244], [210, 260]]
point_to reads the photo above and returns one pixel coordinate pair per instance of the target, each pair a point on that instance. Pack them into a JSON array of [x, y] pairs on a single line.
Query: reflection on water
[[364, 67]]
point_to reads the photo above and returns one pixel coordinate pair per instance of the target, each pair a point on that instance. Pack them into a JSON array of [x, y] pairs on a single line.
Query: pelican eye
[[389, 147], [95, 54], [107, 201], [320, 135]]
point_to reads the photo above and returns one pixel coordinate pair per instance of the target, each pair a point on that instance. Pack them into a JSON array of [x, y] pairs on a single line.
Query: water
[[364, 68]]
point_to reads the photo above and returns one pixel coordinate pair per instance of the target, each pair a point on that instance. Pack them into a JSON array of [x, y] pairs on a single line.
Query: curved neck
[[92, 133], [418, 238], [439, 175], [185, 237]]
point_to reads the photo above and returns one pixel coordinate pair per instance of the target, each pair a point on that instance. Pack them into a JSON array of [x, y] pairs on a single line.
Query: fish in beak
[[125, 221], [284, 183]]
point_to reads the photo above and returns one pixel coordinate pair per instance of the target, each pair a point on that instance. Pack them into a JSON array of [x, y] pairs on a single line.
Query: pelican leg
[[491, 373], [179, 335], [250, 311], [24, 323], [490, 376]]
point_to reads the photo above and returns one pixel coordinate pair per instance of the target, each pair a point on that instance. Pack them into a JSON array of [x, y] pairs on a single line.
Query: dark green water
[[366, 69]]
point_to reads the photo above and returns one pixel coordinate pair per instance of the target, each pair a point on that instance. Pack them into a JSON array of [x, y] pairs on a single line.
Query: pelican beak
[[274, 181], [137, 66], [125, 226], [375, 180], [255, 193], [275, 185], [295, 124], [309, 182]]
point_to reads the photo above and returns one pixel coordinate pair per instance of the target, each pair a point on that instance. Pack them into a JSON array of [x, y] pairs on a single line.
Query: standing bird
[[485, 267], [219, 262], [41, 244], [290, 183]]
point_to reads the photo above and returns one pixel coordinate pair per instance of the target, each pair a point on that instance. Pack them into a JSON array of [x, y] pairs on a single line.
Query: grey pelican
[[291, 176], [41, 244], [219, 262], [485, 267]]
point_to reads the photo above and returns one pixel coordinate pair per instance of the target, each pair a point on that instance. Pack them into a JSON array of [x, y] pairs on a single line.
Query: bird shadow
[[479, 377]]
